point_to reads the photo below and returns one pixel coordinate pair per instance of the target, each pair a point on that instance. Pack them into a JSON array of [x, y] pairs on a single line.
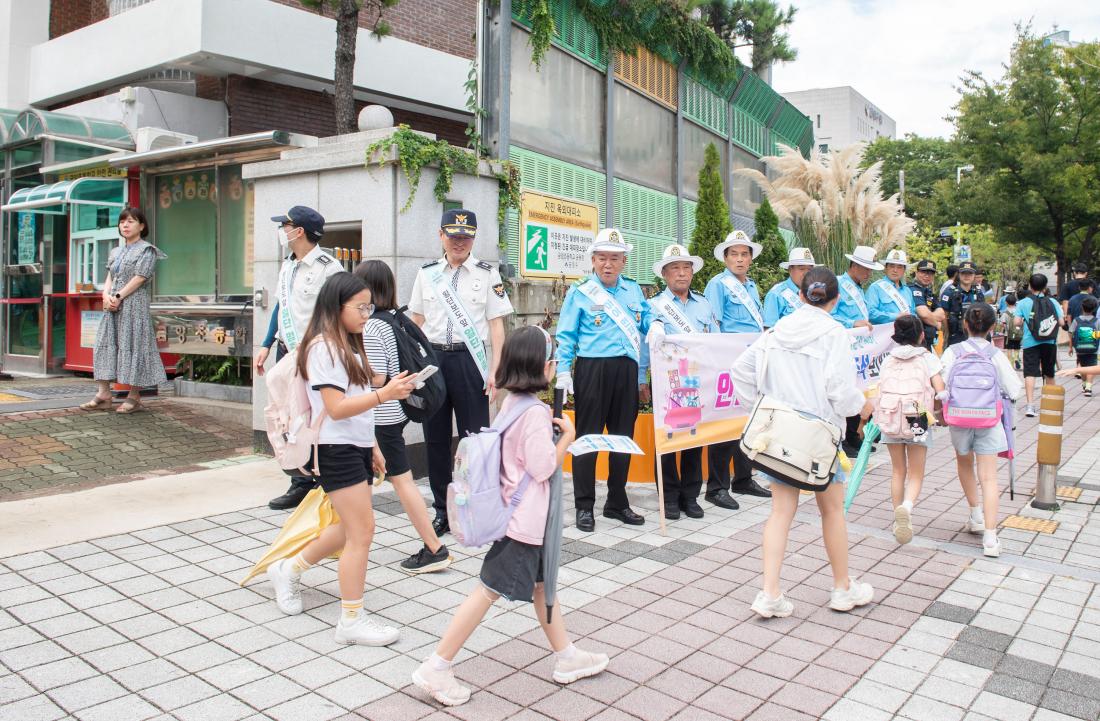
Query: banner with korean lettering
[[694, 399]]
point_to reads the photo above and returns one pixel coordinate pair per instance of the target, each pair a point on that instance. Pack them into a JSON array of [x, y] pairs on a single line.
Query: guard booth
[[54, 236]]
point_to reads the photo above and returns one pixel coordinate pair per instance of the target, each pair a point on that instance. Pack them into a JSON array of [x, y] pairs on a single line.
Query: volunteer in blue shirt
[[888, 297], [782, 299], [675, 310], [1040, 356], [852, 312], [736, 303], [602, 356]]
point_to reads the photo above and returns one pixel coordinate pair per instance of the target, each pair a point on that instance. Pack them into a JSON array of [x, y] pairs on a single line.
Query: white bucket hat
[[864, 255], [677, 253], [737, 237], [798, 256], [896, 256], [610, 240]]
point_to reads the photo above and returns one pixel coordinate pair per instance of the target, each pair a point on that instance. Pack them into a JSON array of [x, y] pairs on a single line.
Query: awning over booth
[[51, 199], [33, 122]]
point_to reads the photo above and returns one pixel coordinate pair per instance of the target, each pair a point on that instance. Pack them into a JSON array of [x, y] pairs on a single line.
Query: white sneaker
[[582, 665], [440, 685], [365, 631], [975, 525], [1029, 411], [903, 525], [288, 587], [772, 607], [993, 551], [857, 594]]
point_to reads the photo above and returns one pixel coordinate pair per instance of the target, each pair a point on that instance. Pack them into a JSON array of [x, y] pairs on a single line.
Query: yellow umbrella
[[313, 515]]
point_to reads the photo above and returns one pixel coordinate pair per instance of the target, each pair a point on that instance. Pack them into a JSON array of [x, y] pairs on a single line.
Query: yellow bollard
[[1048, 452]]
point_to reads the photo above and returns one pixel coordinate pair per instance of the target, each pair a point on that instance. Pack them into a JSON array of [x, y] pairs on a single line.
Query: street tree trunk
[[347, 30]]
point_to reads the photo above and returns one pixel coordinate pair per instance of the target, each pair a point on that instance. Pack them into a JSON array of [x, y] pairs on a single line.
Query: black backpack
[[1044, 319], [414, 354]]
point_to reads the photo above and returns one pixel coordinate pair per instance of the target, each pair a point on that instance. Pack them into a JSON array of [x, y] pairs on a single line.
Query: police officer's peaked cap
[[967, 267], [926, 264], [308, 219], [459, 223]]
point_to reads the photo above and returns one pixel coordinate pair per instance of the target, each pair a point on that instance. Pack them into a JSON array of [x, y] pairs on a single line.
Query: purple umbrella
[[1008, 409]]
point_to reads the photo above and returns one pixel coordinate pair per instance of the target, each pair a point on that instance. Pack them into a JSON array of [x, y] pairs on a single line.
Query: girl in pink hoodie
[[513, 566]]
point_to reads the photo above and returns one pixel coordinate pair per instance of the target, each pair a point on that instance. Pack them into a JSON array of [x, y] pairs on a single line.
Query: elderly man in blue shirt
[[736, 303], [602, 353], [676, 310], [889, 297], [783, 299], [853, 312]]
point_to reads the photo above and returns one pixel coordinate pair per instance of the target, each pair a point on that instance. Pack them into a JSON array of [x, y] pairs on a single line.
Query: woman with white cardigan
[[809, 368]]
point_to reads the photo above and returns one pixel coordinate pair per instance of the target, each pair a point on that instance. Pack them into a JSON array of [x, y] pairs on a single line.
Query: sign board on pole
[[554, 236], [25, 242]]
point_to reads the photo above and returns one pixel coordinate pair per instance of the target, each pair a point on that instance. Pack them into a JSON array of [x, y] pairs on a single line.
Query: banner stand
[[661, 496]]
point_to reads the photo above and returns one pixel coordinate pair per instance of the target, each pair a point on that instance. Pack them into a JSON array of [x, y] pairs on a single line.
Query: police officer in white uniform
[[305, 269], [460, 303]]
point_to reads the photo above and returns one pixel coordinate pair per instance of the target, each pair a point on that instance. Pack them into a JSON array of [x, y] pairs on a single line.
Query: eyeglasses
[[365, 309]]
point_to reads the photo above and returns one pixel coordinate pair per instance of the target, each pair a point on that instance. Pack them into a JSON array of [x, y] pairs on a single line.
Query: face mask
[[284, 241]]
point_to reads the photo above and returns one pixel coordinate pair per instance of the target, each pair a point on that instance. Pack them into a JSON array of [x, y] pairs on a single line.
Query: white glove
[[655, 330], [565, 383]]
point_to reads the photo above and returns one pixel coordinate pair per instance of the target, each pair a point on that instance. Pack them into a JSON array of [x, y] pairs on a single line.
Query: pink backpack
[[904, 394], [291, 429]]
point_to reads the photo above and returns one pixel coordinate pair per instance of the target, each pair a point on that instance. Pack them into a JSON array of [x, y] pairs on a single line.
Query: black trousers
[[682, 484], [606, 395], [718, 460], [468, 404], [303, 482], [851, 431]]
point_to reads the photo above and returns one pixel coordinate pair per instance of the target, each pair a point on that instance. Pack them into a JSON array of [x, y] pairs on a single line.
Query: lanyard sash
[[461, 319], [895, 295], [734, 286], [855, 294], [596, 293], [670, 311], [286, 323], [791, 297]]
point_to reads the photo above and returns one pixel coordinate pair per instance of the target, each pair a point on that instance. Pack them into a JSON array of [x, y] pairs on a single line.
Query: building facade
[[842, 116]]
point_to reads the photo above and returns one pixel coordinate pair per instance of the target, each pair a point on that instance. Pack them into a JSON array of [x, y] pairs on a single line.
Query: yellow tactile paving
[[1022, 523], [1070, 493], [9, 398]]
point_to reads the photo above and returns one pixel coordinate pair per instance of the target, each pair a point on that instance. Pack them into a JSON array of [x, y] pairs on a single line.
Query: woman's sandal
[[97, 404], [129, 406]]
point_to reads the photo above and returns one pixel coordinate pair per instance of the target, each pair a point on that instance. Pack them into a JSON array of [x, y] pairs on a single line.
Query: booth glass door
[[29, 314]]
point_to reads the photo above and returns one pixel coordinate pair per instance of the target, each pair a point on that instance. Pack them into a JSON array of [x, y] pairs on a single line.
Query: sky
[[906, 57]]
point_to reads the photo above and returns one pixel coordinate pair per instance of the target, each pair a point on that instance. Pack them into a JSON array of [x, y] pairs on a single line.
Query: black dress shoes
[[586, 521], [723, 499], [672, 511], [750, 488], [288, 500], [440, 525], [691, 508], [625, 515]]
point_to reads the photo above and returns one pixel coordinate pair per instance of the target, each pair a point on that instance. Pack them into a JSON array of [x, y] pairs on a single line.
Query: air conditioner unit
[[146, 139]]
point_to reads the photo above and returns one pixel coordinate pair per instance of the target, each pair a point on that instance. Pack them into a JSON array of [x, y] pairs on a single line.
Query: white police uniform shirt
[[306, 276], [480, 288]]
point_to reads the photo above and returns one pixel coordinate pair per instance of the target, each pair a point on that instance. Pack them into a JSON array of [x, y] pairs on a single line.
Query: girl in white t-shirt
[[330, 359], [908, 454]]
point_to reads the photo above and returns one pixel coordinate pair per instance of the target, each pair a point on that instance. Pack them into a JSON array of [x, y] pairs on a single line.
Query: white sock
[[989, 538], [438, 663], [907, 505], [976, 513], [350, 610], [299, 565], [566, 653]]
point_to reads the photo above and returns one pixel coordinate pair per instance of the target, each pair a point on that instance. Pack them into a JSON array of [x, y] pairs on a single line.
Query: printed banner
[[694, 399], [595, 443]]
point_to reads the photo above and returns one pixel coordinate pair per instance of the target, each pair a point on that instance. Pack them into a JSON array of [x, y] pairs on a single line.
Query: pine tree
[[712, 219], [765, 268]]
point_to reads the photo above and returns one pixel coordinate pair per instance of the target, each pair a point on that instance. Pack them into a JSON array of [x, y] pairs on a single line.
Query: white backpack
[[291, 429], [904, 394]]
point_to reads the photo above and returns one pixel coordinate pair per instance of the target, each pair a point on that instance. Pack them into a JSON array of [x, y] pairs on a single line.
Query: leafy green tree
[[928, 163], [712, 218], [760, 24], [347, 13], [1034, 139], [765, 268]]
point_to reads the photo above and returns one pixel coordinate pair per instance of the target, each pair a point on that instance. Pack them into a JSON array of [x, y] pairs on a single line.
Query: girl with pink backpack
[[979, 379], [516, 565], [909, 379]]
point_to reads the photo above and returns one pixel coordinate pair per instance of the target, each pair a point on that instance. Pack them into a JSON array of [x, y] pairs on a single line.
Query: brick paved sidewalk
[[67, 448]]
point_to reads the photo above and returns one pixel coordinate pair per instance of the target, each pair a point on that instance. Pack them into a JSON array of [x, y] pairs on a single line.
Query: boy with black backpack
[[1040, 317], [1083, 335]]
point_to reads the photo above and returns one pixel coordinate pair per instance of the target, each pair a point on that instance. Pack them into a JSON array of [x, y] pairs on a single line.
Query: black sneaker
[[424, 561]]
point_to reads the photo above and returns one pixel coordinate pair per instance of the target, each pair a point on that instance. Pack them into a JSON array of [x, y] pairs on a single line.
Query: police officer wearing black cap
[[305, 269], [460, 303], [926, 302], [958, 298]]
